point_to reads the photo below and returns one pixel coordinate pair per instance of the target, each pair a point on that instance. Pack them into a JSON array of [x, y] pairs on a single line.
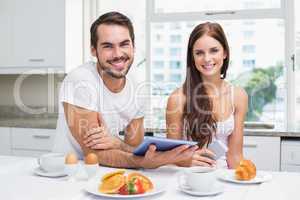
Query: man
[[97, 101]]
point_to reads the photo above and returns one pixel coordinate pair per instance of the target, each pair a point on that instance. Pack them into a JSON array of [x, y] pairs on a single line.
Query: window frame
[[285, 12]]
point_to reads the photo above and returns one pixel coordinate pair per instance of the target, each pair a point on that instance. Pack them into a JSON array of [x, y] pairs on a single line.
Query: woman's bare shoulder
[[240, 97], [240, 92], [177, 96]]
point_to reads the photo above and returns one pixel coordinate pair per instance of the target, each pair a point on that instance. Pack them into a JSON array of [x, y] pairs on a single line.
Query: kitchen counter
[[50, 123], [248, 132], [29, 122], [13, 116], [272, 133]]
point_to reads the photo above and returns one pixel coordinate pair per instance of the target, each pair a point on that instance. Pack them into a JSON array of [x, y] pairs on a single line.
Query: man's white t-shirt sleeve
[[140, 113], [82, 93]]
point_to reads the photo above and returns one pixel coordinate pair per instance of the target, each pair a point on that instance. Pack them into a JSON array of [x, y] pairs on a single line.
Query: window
[[158, 37], [175, 52], [175, 26], [249, 64], [158, 64], [261, 44], [159, 26], [253, 66], [158, 51], [248, 48], [158, 77], [175, 78], [248, 34], [297, 65], [175, 64], [168, 6], [175, 38]]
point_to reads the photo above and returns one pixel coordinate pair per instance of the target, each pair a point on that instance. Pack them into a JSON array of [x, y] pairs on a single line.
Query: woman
[[207, 107]]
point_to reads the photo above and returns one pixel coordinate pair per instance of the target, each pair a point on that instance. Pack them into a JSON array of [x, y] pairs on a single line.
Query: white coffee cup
[[200, 179], [52, 162]]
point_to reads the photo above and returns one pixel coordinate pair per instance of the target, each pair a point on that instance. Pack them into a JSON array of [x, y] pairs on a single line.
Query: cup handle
[[181, 179], [39, 161]]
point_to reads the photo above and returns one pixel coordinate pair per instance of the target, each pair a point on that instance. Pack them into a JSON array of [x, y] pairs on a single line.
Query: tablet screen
[[162, 144]]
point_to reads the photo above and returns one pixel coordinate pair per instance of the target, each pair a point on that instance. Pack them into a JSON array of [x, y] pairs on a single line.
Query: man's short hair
[[111, 18]]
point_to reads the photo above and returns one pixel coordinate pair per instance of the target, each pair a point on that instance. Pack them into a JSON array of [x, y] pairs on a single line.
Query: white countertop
[[18, 182]]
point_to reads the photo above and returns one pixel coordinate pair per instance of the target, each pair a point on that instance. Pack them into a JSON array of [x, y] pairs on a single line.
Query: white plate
[[38, 171], [217, 189], [92, 187], [229, 175]]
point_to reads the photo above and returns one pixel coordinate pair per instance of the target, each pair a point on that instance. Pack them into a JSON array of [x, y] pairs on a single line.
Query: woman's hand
[[99, 138], [203, 157]]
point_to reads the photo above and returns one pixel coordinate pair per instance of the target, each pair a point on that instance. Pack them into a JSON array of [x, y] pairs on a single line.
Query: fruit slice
[[120, 171], [112, 184], [146, 182]]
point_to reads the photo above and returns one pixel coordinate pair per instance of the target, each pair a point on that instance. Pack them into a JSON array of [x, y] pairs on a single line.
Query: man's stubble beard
[[111, 72]]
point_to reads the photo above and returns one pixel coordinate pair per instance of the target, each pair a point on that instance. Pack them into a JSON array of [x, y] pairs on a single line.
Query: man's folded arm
[[81, 120]]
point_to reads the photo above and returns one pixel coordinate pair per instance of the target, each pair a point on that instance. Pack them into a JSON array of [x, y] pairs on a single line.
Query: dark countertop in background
[[29, 122]]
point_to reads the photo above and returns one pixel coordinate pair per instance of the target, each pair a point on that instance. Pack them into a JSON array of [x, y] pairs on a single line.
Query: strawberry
[[134, 186], [124, 190]]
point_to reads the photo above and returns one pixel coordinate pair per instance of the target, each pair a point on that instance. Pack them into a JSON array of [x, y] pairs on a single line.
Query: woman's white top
[[223, 131]]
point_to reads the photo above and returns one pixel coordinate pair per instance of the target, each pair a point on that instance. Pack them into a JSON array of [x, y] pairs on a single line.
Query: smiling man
[[97, 101]]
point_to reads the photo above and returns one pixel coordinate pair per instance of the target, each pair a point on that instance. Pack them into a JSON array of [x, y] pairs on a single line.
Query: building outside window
[[158, 64], [158, 77], [175, 38], [175, 78], [249, 64], [248, 48], [158, 51], [175, 64], [248, 34], [175, 52]]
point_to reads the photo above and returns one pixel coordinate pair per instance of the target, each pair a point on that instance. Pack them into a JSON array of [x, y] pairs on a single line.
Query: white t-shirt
[[84, 87]]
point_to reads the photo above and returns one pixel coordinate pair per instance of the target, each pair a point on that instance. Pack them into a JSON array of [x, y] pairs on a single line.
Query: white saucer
[[217, 189], [40, 172], [261, 176]]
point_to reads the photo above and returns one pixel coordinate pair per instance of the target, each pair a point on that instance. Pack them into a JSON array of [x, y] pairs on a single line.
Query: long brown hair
[[199, 123]]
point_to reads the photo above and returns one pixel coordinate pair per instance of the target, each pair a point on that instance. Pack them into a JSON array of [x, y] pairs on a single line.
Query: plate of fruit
[[119, 184]]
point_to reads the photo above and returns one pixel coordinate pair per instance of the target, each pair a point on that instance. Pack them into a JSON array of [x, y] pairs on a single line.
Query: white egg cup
[[91, 170], [71, 170]]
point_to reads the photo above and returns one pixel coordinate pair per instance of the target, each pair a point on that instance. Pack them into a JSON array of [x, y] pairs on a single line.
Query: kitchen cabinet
[[5, 32], [37, 32], [31, 142], [40, 36], [290, 155], [263, 151], [5, 142]]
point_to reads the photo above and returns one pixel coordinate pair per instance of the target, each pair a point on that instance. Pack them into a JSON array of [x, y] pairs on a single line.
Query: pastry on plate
[[245, 171]]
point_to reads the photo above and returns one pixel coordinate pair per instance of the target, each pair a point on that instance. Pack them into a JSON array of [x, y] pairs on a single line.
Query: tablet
[[162, 144]]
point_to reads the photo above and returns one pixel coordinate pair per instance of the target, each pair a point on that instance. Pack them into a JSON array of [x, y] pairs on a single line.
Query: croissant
[[245, 171]]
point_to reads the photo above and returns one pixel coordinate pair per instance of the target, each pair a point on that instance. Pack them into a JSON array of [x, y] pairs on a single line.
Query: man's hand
[[99, 138], [154, 159]]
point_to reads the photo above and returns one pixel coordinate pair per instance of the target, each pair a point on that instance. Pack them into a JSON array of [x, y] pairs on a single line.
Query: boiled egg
[[91, 159], [71, 158]]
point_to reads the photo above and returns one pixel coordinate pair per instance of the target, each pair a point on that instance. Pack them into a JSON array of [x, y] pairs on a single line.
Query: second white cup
[[52, 162], [200, 179]]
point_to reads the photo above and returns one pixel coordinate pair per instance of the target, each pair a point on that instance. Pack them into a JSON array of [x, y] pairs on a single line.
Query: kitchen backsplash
[[20, 94]]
